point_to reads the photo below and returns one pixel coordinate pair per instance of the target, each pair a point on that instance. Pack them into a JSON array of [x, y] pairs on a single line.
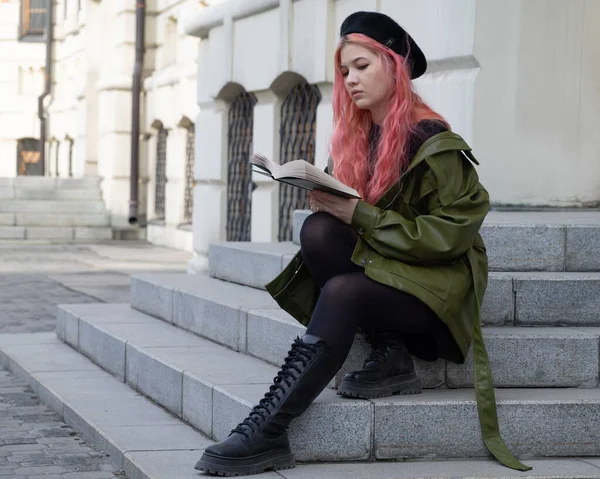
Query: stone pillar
[[114, 108], [210, 174], [21, 83], [266, 140]]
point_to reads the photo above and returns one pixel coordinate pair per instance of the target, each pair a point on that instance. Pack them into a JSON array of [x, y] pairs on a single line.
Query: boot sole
[[229, 467], [402, 385]]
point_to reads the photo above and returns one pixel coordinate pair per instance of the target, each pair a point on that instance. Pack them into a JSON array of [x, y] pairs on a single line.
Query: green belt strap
[[484, 393]]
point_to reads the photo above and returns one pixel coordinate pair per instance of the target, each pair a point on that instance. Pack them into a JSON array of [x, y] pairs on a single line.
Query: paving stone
[[105, 349], [582, 248], [427, 426], [115, 440], [159, 381], [195, 305], [535, 357], [41, 206], [498, 307], [49, 232], [270, 332], [231, 261], [92, 233], [558, 299], [348, 440], [458, 469], [197, 403], [151, 299], [28, 452]]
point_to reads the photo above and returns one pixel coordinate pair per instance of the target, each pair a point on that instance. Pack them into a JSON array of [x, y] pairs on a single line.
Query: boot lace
[[381, 351], [295, 362]]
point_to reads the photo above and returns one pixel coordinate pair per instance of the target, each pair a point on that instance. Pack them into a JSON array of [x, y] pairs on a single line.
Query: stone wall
[[518, 80], [21, 82]]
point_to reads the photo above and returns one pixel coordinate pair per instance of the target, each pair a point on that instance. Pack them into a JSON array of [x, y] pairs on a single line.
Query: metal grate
[[189, 175], [239, 174], [161, 173], [298, 129], [28, 157]]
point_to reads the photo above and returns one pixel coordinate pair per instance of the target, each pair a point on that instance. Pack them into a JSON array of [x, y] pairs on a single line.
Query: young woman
[[405, 263]]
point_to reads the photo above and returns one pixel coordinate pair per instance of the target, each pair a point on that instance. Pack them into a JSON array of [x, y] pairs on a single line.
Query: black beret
[[386, 31]]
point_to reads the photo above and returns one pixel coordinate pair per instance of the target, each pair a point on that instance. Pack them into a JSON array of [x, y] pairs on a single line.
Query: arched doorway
[[28, 157]]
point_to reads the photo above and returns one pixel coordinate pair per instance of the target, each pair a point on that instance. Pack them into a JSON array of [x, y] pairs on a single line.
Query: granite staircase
[[53, 209], [154, 381]]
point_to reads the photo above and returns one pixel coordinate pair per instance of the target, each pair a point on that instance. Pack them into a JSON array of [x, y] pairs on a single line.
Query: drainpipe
[[47, 83], [136, 90]]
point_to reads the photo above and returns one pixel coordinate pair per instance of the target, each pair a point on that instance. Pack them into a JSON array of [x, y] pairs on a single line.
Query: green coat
[[422, 237]]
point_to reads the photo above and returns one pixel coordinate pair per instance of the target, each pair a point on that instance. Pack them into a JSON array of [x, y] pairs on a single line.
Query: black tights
[[350, 299]]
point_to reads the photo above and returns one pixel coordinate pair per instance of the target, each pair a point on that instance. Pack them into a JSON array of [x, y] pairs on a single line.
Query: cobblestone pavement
[[35, 443], [34, 279]]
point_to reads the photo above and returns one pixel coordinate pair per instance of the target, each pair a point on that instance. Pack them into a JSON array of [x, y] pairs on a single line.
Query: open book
[[302, 174]]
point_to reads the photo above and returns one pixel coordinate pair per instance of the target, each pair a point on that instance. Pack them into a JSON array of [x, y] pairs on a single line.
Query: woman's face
[[365, 78]]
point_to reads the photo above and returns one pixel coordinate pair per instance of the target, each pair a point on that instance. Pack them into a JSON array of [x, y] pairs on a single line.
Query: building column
[[210, 175], [114, 109], [266, 140]]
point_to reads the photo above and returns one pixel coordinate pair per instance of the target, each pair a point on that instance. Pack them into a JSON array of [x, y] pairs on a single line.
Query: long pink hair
[[349, 146]]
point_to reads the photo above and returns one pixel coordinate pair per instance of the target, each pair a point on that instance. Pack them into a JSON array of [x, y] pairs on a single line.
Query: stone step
[[249, 321], [62, 233], [82, 194], [150, 443], [40, 206], [61, 219], [56, 220], [526, 298], [47, 182], [77, 194], [213, 388], [532, 240]]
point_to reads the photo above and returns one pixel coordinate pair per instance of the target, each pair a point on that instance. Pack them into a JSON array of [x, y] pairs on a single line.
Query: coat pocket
[[437, 279]]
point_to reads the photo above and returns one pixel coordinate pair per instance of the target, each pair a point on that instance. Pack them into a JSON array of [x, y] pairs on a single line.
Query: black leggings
[[350, 299]]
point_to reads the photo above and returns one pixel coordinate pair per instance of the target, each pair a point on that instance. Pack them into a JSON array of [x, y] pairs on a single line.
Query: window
[[33, 20], [297, 132]]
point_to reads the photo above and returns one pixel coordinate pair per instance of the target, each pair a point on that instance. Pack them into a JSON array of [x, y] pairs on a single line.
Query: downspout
[[47, 83], [136, 90]]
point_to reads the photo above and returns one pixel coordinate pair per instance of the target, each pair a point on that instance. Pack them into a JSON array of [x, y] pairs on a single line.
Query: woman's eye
[[362, 67], [344, 74]]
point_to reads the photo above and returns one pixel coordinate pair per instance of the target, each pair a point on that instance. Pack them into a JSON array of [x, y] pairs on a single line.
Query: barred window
[[33, 20], [239, 175], [297, 136], [188, 209], [161, 173]]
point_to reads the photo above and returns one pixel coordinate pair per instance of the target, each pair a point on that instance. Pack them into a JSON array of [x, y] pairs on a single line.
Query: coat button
[[363, 263], [361, 231]]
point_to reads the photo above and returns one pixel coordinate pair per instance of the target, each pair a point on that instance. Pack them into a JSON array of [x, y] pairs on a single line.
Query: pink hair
[[349, 141]]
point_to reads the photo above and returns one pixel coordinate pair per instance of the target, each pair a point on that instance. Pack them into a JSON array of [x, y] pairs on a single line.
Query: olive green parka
[[422, 237]]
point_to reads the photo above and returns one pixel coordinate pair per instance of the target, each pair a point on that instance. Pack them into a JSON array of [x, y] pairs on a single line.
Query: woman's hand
[[341, 208]]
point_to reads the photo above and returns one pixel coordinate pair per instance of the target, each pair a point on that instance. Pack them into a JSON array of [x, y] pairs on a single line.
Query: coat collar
[[439, 143]]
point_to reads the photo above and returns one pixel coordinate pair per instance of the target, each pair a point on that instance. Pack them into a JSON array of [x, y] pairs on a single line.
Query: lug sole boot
[[260, 442], [388, 370]]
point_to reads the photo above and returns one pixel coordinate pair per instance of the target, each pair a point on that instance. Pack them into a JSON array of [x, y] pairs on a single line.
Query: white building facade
[[92, 102], [517, 79], [224, 78], [21, 83]]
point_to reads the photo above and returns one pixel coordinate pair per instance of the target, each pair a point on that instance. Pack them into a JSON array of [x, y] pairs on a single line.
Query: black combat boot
[[388, 370], [260, 442]]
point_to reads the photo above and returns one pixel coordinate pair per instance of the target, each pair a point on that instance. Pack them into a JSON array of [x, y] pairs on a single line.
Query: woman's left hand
[[341, 208]]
